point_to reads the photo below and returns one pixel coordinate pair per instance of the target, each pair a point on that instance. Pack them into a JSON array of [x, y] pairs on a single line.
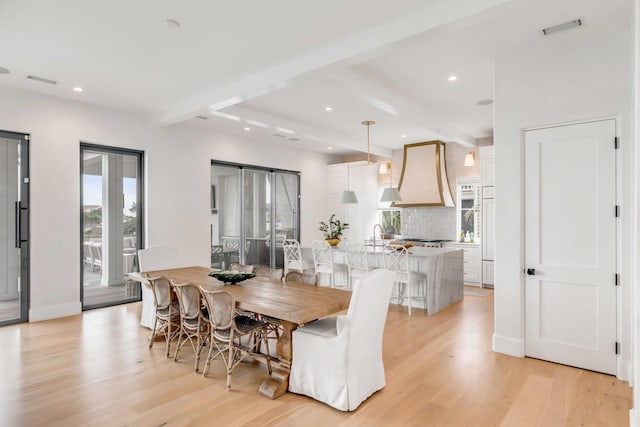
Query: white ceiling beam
[[304, 132], [394, 104], [277, 77]]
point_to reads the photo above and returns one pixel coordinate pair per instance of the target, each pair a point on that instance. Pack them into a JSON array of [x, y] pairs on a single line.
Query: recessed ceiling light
[[329, 148], [403, 136], [172, 23], [328, 108], [4, 70], [485, 102], [247, 129], [77, 89], [452, 78]]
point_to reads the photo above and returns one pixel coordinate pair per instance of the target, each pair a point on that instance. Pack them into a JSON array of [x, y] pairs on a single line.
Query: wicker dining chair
[[194, 322], [167, 316], [266, 273], [242, 268], [296, 276], [227, 328]]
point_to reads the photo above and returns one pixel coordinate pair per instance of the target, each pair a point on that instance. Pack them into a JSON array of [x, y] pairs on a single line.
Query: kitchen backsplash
[[429, 222]]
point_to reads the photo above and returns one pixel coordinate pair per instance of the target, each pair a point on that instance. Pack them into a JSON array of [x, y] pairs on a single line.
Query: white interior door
[[570, 226]]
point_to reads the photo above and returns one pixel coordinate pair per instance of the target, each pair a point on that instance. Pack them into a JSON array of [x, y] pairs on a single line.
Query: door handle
[[17, 225], [531, 271]]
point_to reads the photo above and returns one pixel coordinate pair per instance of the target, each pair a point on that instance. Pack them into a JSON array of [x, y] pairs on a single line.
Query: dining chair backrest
[[229, 243], [357, 256], [296, 276], [189, 299], [321, 253], [396, 258], [242, 268], [157, 258], [292, 250], [221, 307], [268, 273], [161, 289]]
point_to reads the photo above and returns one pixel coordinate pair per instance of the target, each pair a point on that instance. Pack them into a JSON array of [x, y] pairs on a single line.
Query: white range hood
[[424, 176]]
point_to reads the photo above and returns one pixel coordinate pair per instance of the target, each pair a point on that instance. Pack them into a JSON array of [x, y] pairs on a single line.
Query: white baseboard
[[507, 345], [624, 371], [632, 418], [53, 311]]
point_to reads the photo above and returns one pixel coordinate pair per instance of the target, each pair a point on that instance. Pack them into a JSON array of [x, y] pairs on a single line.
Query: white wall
[[177, 169], [576, 75]]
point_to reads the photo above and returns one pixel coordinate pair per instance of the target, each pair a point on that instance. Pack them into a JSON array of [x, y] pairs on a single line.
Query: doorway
[[111, 224], [14, 228], [570, 245]]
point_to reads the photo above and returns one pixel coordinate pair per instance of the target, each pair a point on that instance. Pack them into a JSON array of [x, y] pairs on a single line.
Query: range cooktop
[[412, 239]]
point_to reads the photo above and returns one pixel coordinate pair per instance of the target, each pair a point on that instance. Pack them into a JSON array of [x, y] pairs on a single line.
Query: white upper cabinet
[[487, 166]]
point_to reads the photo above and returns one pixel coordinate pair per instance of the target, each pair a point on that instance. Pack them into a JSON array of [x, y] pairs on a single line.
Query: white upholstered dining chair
[[153, 258], [338, 360]]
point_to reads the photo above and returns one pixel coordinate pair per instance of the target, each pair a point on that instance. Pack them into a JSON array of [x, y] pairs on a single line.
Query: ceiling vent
[[42, 80], [202, 117], [561, 27]]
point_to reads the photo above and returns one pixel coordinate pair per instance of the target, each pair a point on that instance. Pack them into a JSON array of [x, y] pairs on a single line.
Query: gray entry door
[[14, 227]]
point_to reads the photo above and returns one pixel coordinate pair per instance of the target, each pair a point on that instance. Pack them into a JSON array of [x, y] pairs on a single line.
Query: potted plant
[[332, 230]]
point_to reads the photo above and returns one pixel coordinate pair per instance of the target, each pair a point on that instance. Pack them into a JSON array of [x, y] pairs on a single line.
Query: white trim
[[577, 122], [624, 370], [54, 311], [507, 345]]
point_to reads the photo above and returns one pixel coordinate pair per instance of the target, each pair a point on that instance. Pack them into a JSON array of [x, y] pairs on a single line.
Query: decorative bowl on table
[[231, 277], [399, 245]]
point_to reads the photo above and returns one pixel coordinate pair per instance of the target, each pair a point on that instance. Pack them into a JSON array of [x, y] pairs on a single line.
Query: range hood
[[424, 176]]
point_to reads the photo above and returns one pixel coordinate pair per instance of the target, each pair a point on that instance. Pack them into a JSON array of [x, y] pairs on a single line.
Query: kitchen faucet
[[374, 235]]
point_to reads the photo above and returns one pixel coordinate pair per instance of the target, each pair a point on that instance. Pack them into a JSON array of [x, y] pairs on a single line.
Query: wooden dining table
[[293, 303]]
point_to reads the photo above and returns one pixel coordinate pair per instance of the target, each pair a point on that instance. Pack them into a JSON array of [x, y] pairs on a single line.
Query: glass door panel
[[225, 216], [14, 228], [111, 225], [257, 217], [286, 212]]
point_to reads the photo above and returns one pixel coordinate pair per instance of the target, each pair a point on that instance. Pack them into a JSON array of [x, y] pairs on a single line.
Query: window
[[390, 219]]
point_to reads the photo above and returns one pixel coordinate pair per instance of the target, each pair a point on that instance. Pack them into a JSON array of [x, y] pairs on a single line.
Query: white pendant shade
[[348, 197], [390, 194]]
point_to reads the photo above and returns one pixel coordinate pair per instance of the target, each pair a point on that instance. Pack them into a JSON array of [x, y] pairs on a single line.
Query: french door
[[570, 250], [253, 211], [14, 227], [111, 224]]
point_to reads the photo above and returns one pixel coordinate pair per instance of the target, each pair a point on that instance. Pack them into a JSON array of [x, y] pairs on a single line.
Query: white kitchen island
[[443, 267]]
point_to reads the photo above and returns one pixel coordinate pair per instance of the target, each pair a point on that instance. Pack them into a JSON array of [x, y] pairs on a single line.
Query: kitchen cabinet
[[361, 216], [471, 261], [488, 213]]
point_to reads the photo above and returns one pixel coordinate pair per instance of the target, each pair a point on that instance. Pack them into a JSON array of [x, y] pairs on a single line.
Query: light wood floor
[[95, 369]]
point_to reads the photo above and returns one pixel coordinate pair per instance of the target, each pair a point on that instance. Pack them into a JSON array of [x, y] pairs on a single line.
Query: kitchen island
[[443, 267]]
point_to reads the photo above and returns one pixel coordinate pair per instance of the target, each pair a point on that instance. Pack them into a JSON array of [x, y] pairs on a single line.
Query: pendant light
[[390, 193], [348, 196]]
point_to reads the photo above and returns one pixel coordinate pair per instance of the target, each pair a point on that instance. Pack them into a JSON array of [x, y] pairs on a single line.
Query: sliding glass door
[[249, 206], [111, 224], [14, 228]]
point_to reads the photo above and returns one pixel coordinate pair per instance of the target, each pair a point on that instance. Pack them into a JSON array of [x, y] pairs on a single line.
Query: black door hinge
[[617, 279], [617, 211], [617, 347], [616, 142]]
